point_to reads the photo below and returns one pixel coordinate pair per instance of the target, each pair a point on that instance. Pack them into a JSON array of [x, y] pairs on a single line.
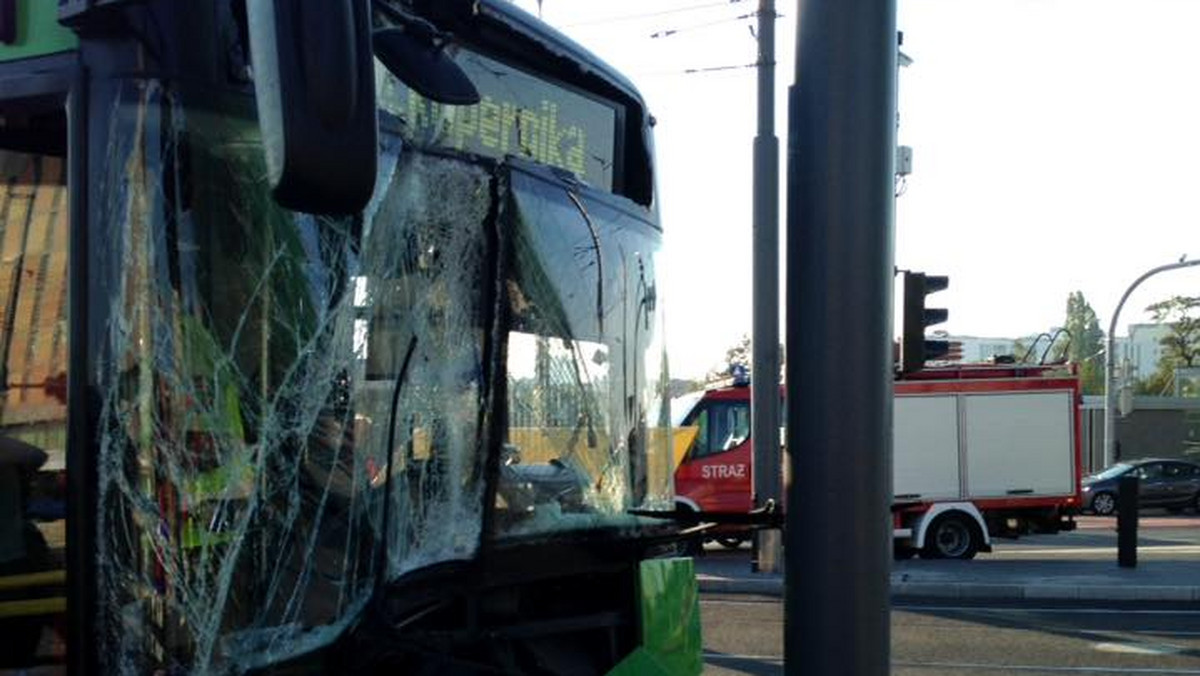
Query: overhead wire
[[648, 15], [683, 29], [666, 33], [713, 69]]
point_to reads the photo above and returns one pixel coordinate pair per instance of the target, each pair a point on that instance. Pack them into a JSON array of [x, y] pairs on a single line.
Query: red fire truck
[[980, 451]]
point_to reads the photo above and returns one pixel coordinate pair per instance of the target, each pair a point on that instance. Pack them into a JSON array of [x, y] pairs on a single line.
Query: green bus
[[331, 342]]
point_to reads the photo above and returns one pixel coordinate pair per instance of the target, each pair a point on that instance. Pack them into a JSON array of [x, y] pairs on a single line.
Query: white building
[[1142, 347]]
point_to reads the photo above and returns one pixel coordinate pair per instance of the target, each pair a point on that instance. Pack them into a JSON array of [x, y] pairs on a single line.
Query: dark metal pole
[[764, 395], [1127, 520], [82, 411], [841, 151]]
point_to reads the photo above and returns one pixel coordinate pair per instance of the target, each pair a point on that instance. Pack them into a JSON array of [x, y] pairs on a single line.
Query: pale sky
[[1056, 148]]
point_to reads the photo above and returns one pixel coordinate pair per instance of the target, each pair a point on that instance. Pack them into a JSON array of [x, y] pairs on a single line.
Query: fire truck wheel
[[952, 536]]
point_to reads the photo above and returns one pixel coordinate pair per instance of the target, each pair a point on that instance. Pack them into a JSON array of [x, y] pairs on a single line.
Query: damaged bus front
[[403, 426]]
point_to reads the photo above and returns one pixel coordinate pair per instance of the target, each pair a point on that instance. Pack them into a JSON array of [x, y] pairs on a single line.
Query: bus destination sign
[[518, 114]]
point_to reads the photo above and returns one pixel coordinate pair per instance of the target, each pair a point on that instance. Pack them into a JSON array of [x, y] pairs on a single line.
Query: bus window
[[582, 361], [33, 409]]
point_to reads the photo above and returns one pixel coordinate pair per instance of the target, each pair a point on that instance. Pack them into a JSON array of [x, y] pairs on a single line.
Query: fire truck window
[[737, 426], [723, 427], [700, 447]]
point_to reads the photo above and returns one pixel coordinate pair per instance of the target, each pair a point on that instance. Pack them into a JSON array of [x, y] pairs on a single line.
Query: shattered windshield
[[296, 410], [239, 507], [261, 364]]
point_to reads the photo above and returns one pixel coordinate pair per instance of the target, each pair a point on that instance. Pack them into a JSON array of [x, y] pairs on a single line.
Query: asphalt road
[[744, 635], [1159, 536]]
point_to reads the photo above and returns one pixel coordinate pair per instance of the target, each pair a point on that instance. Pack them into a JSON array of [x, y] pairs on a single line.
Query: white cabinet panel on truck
[[926, 458], [1019, 444]]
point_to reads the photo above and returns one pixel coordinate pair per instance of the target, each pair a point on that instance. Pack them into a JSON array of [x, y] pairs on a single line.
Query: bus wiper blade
[[391, 451]]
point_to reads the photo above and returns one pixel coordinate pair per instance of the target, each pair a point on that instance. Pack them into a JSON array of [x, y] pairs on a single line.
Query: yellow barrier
[[44, 579], [54, 605], [684, 437], [540, 444]]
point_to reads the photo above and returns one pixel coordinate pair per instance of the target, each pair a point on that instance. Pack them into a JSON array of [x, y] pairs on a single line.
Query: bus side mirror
[[315, 86]]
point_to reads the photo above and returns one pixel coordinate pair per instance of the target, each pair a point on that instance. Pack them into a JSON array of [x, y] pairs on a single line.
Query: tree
[[1020, 351], [741, 354], [1082, 343], [1181, 345], [738, 355]]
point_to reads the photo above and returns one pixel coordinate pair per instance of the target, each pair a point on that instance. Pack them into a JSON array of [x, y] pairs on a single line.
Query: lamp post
[[1110, 425]]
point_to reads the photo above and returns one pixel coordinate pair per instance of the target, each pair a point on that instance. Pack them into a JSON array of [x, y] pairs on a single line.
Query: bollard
[[1127, 520]]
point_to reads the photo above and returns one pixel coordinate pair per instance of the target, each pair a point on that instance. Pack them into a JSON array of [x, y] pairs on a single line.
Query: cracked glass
[[260, 364], [585, 375], [237, 509], [295, 410]]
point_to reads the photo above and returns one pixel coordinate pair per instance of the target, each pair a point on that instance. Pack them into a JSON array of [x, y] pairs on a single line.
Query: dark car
[[1174, 484]]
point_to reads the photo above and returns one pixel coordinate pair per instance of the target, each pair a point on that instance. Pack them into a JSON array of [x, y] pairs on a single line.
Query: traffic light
[[915, 349]]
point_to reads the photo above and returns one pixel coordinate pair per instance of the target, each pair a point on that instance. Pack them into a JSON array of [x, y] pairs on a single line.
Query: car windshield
[[1113, 472]]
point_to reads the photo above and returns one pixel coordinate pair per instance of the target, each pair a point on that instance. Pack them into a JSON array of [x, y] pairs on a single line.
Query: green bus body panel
[[38, 32], [641, 662], [670, 616]]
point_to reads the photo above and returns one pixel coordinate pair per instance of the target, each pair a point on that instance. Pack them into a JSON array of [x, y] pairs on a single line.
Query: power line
[[713, 69], [693, 71], [645, 15], [672, 31]]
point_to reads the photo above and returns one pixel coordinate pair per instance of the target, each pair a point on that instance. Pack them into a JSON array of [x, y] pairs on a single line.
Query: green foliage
[[1085, 345], [1079, 341], [1020, 352], [741, 354], [1181, 345], [738, 355], [1157, 384]]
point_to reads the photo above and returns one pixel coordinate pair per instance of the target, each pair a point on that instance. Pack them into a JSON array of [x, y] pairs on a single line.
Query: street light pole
[[764, 405], [1110, 425]]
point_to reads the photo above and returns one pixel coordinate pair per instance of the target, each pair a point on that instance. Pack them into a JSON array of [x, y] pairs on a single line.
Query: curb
[[976, 591]]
